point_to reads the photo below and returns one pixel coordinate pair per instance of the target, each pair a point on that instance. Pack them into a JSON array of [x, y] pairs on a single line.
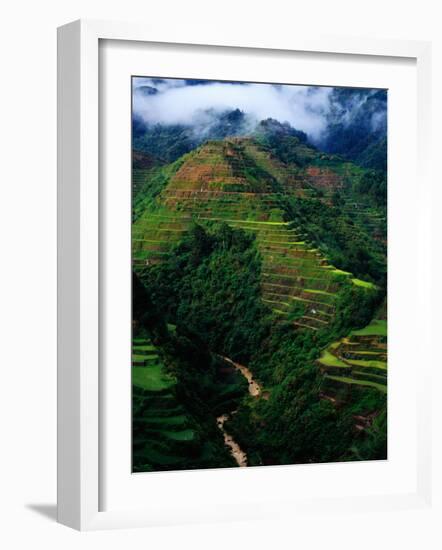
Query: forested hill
[[271, 252], [357, 127]]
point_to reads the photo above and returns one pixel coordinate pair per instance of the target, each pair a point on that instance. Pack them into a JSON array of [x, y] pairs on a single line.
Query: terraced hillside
[[259, 284], [354, 372], [165, 435], [242, 183], [359, 359], [174, 419], [330, 179], [238, 181], [168, 440]]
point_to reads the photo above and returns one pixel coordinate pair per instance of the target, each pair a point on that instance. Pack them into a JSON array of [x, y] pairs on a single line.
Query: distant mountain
[[357, 127]]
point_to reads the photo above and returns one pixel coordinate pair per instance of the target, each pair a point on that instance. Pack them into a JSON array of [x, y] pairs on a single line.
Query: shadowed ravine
[[255, 390]]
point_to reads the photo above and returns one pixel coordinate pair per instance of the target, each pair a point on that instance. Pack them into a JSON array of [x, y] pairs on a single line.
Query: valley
[[263, 262]]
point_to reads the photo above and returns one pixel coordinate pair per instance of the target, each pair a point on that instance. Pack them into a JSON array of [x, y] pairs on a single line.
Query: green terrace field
[[239, 183], [355, 377], [359, 359], [164, 437], [293, 271]]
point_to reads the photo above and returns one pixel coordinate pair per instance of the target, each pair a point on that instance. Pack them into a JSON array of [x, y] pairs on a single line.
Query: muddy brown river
[[235, 450], [255, 390]]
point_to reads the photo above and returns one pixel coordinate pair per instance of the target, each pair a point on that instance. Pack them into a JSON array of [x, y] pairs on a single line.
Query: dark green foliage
[[375, 156], [374, 445], [357, 127], [229, 123], [145, 314], [294, 426], [297, 310], [349, 246], [285, 142], [273, 130], [196, 394], [355, 307], [210, 287], [169, 142], [373, 185]]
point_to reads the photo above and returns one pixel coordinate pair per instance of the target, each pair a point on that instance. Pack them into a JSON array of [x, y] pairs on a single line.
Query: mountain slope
[[240, 182], [241, 243], [357, 127]]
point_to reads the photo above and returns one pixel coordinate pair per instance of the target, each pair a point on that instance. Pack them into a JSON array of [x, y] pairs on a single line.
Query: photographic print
[[259, 274]]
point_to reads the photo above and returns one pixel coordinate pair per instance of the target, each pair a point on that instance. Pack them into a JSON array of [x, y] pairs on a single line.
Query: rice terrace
[[259, 261]]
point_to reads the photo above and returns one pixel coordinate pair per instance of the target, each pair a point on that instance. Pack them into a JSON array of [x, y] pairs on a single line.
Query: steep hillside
[[358, 359], [173, 421], [269, 253], [357, 127], [241, 182]]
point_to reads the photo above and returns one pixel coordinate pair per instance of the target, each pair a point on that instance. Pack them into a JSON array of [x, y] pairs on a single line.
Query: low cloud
[[304, 107], [198, 104]]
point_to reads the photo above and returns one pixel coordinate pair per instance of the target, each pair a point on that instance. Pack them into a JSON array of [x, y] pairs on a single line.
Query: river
[[235, 450], [255, 391]]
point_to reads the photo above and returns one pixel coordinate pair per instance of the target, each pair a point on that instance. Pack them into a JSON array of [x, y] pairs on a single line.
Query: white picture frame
[[79, 436]]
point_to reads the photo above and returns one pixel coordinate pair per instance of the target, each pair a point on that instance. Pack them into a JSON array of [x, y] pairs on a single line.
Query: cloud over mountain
[[179, 114], [198, 104]]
